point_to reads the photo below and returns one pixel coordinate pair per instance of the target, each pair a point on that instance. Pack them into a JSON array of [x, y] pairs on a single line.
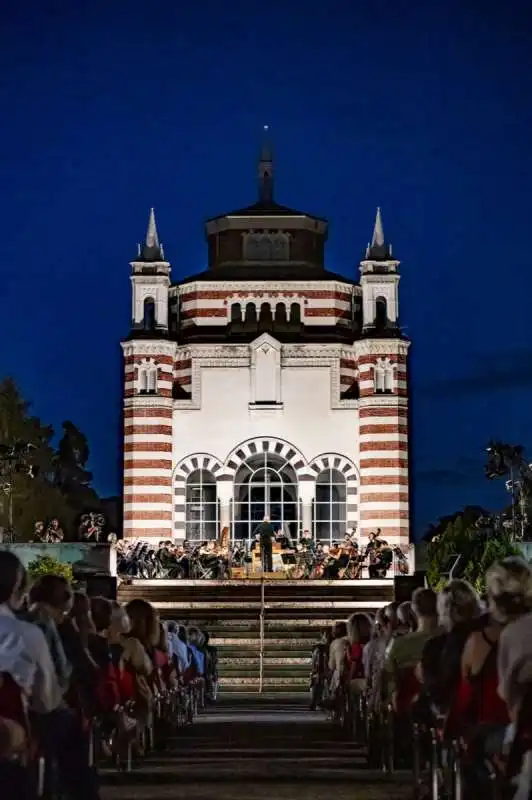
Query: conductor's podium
[[280, 569]]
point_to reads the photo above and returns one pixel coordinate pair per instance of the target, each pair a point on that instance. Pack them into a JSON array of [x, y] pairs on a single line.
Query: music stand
[[451, 565]]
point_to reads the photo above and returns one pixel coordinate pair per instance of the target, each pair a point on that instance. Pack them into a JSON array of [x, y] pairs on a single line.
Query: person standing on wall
[[266, 535]]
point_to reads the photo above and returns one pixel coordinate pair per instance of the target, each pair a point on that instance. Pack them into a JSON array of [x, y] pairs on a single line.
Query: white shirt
[[41, 680], [515, 661]]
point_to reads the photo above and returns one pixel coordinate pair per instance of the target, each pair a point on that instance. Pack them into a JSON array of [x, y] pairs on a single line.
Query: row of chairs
[[122, 739], [443, 766]]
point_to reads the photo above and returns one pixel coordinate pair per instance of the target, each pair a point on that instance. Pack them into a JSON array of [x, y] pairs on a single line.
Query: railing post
[[261, 635]]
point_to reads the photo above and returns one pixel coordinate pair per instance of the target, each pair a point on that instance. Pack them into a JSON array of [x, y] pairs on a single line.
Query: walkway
[[254, 751]]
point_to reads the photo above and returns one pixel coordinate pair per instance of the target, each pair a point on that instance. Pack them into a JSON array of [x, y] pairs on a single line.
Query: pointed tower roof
[[266, 169], [152, 249], [266, 206], [378, 250]]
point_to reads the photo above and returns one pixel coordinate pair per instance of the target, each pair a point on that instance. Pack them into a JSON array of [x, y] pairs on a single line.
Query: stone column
[[307, 489], [224, 492]]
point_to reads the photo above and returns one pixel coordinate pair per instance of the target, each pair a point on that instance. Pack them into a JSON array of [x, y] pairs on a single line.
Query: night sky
[[423, 108]]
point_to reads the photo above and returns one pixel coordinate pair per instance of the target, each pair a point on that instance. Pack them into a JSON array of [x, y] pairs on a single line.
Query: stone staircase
[[286, 616]]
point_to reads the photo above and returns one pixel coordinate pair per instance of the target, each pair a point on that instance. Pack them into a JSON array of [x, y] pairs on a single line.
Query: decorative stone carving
[[381, 347]]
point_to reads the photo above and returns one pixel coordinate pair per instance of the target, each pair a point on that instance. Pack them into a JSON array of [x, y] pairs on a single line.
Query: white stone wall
[[302, 417]]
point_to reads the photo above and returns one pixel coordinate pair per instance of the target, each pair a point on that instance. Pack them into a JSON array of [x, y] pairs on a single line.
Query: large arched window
[[330, 506], [201, 506], [265, 485]]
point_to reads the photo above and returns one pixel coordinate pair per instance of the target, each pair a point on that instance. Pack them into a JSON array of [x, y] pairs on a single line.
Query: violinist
[[338, 559]]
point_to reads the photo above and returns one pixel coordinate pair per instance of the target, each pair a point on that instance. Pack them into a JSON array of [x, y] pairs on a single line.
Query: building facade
[[265, 385]]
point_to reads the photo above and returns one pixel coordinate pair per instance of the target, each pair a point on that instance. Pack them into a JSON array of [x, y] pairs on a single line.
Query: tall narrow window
[[388, 378], [149, 314], [280, 313], [265, 314], [143, 380], [381, 312], [295, 313], [236, 312], [152, 380], [330, 507], [201, 506], [379, 377], [251, 313]]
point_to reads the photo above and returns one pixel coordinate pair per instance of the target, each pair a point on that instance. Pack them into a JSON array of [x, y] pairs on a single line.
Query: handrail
[[261, 636]]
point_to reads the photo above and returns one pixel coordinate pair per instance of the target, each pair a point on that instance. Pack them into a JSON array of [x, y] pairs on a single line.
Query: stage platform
[[368, 582]]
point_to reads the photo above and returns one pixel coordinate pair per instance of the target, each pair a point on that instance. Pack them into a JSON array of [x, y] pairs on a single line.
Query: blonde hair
[[509, 587], [120, 619], [458, 602]]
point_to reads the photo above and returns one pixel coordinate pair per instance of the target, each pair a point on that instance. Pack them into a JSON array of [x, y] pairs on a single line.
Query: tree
[[469, 515], [71, 476], [47, 565], [480, 546], [33, 496]]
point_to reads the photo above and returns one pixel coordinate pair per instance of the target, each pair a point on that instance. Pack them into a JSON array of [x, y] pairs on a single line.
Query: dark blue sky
[[421, 107]]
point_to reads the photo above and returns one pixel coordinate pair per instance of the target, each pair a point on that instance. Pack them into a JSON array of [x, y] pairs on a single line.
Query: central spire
[[266, 169]]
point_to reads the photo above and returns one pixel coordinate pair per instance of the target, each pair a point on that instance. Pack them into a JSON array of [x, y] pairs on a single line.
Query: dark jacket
[[266, 533]]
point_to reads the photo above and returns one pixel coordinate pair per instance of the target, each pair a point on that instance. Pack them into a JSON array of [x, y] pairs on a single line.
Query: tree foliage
[[48, 565], [479, 550], [71, 475], [42, 496]]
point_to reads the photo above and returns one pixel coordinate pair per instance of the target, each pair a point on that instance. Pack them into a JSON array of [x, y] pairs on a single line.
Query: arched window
[[265, 314], [236, 312], [147, 378], [295, 313], [383, 376], [280, 247], [149, 314], [280, 313], [265, 485], [330, 506], [381, 312], [251, 313], [152, 380], [201, 506], [143, 380]]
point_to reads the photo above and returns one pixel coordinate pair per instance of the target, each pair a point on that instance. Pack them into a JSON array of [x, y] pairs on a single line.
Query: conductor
[[266, 536]]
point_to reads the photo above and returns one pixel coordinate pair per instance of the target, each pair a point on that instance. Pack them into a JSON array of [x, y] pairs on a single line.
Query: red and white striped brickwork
[[383, 438], [327, 304], [183, 368], [148, 440], [348, 370]]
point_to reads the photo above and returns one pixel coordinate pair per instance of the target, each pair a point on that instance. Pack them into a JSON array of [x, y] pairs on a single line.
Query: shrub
[[48, 565]]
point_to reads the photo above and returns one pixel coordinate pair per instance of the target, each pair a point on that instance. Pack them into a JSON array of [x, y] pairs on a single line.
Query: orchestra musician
[[225, 536], [39, 531], [380, 555], [54, 533]]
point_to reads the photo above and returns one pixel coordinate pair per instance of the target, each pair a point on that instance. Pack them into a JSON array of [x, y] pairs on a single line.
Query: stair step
[[288, 681]]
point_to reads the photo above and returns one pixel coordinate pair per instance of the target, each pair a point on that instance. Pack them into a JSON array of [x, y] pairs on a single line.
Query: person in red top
[[478, 704]]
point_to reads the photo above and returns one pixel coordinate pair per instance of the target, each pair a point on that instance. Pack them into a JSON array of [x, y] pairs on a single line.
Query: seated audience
[[459, 611], [404, 652]]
